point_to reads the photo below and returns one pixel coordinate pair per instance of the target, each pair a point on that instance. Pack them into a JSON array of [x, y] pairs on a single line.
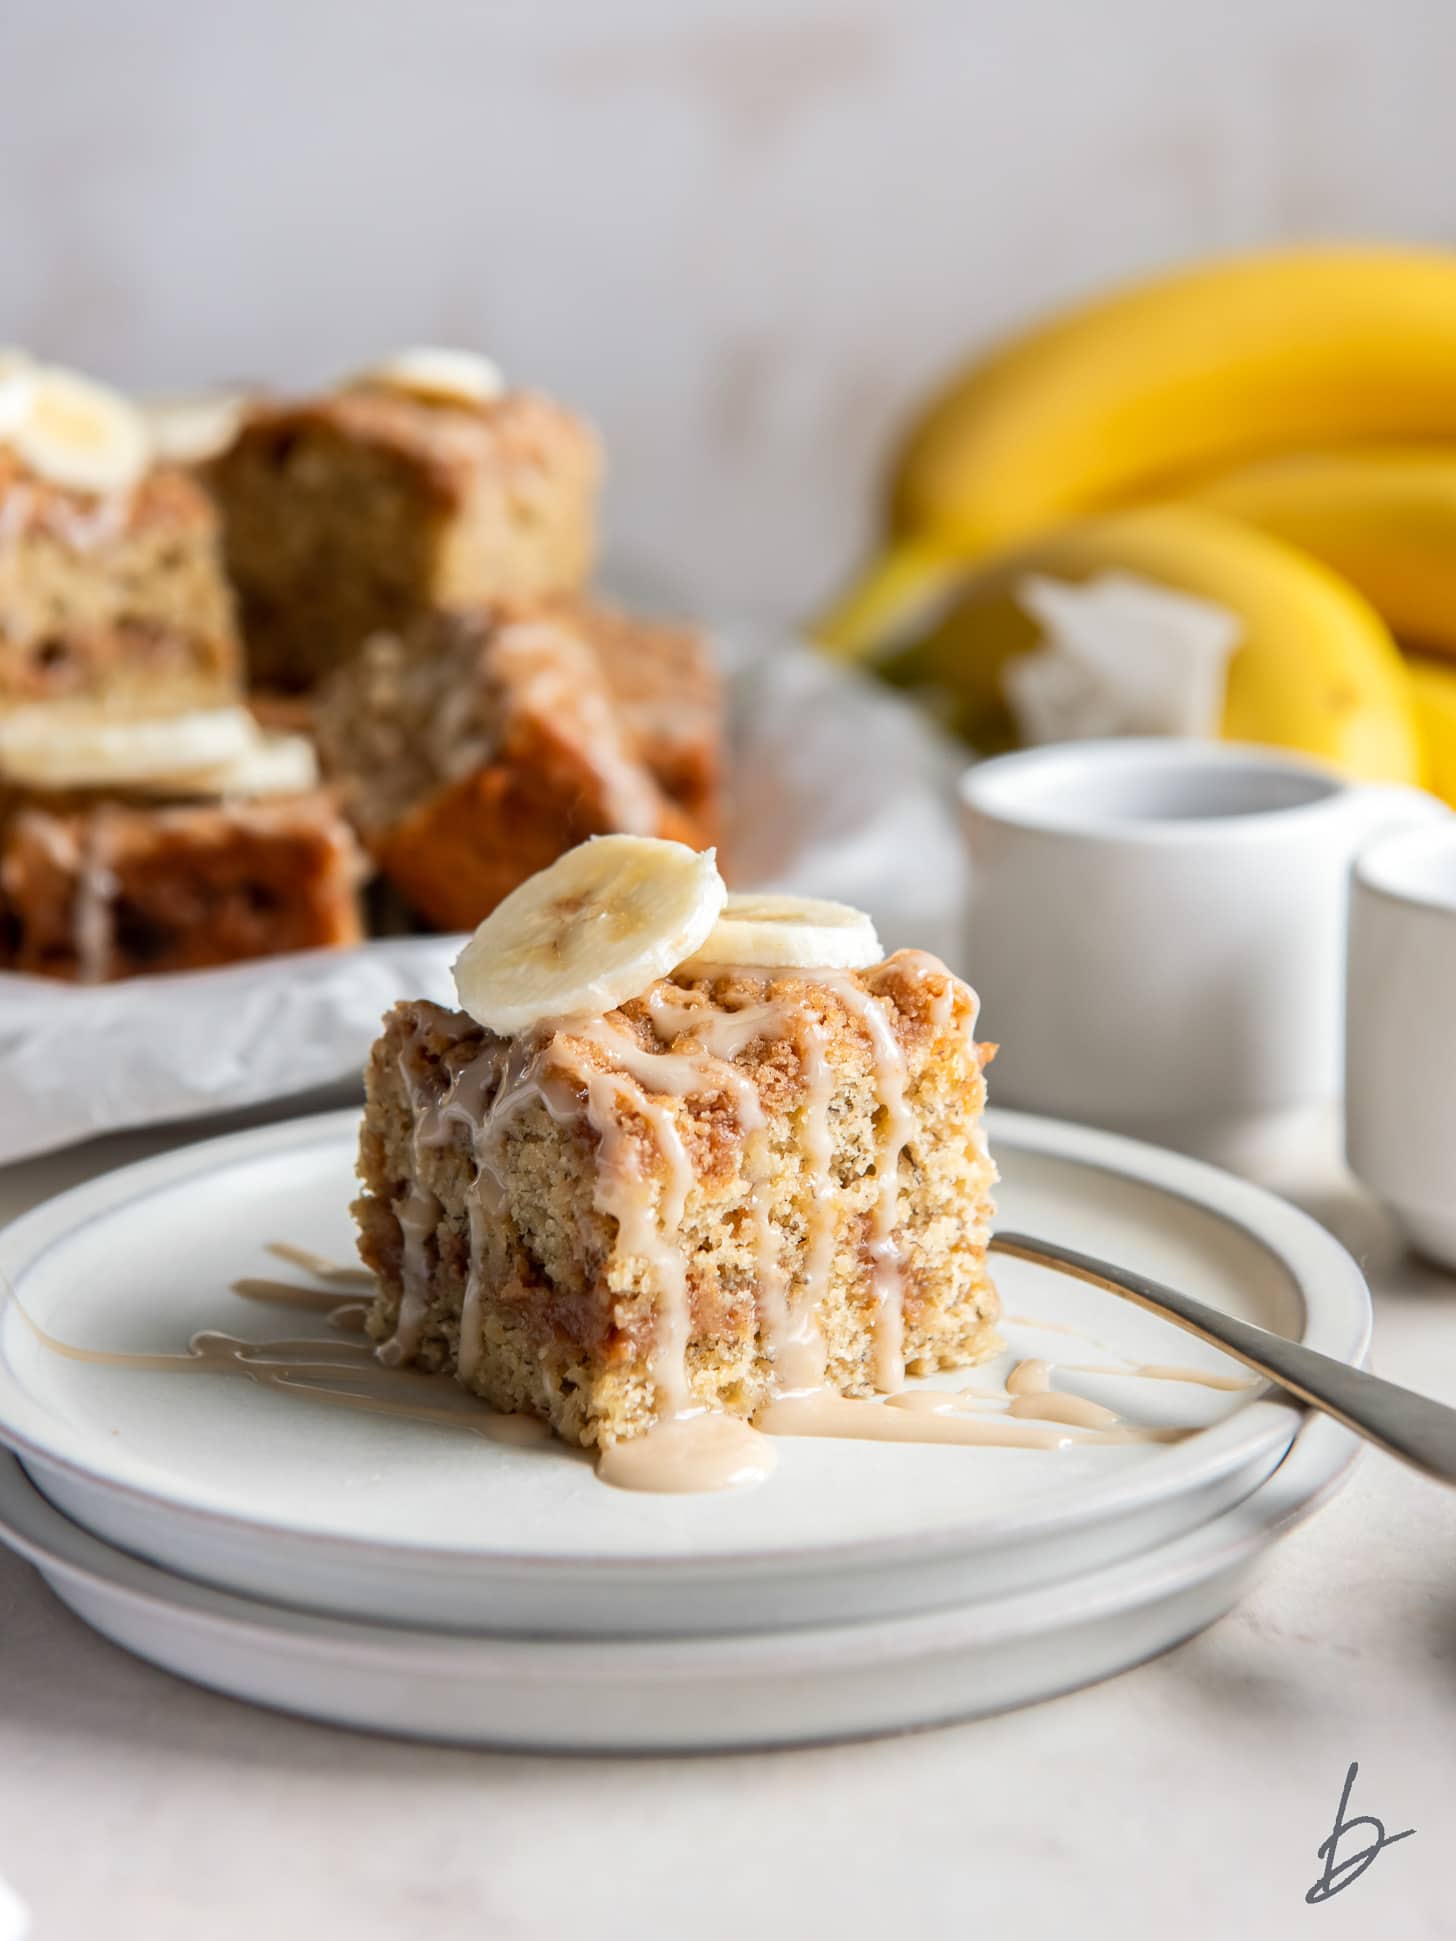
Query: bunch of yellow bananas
[[1276, 433]]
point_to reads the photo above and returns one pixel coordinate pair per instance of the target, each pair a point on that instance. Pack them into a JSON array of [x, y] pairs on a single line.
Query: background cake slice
[[115, 889], [111, 580], [165, 843], [479, 746], [354, 512], [738, 1182], [669, 700]]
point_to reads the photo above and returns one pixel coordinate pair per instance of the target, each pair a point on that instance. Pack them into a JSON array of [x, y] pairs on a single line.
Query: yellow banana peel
[[1316, 668], [896, 595], [1384, 519], [1433, 685], [1121, 398]]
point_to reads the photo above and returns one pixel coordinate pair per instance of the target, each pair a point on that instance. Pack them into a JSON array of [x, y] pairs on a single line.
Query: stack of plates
[[404, 1576]]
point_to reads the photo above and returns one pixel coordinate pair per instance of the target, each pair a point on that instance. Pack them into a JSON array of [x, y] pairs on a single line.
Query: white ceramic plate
[[681, 1695], [275, 1496], [804, 812]]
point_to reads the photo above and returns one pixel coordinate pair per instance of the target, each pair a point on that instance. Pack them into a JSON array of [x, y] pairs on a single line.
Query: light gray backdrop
[[741, 235]]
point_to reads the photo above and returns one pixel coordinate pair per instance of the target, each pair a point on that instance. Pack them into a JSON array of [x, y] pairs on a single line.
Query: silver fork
[[1413, 1427]]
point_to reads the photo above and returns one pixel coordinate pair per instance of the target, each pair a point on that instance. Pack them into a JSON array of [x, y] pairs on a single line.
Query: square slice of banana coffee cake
[[679, 1157]]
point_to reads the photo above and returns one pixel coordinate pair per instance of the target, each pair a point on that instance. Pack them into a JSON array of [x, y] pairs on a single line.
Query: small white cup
[[1158, 927], [1400, 1111]]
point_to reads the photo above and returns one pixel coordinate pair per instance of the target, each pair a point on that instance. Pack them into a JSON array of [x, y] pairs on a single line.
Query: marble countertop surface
[[1188, 1797]]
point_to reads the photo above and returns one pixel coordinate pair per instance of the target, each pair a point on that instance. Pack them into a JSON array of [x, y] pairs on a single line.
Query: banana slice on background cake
[[191, 427], [274, 764], [48, 747], [436, 375], [16, 369], [206, 751], [610, 917], [73, 431]]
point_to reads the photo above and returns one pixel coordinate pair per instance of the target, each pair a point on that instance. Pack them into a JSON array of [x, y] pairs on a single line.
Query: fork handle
[[1420, 1431]]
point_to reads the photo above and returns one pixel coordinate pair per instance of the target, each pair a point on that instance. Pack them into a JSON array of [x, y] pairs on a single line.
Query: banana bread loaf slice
[[736, 1183], [117, 597], [107, 888], [669, 700], [478, 746], [351, 513], [171, 842]]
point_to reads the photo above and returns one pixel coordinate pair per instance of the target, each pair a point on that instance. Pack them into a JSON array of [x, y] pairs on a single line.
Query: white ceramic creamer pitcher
[[1158, 926]]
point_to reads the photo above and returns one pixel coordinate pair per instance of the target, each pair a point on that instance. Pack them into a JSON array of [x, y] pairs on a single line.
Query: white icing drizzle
[[470, 1344], [342, 1373], [1145, 1371], [464, 1104], [699, 1043], [694, 1450], [688, 1454], [788, 1327], [722, 1034], [648, 1232], [77, 523], [701, 1071], [418, 1214], [691, 1074], [349, 1317], [643, 1185], [1030, 1387], [635, 1088], [888, 1272], [16, 509], [800, 1357], [94, 909], [821, 1412], [1169, 1372], [81, 524], [788, 1324], [320, 1266]]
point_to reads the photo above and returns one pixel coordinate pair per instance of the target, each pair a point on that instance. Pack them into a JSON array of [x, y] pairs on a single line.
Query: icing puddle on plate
[[688, 1452]]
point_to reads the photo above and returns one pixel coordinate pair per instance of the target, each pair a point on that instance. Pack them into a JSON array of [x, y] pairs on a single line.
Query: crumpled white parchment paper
[[837, 788]]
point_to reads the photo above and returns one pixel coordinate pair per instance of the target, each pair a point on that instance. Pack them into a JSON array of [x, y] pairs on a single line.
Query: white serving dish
[[805, 811], [685, 1695], [274, 1497], [1159, 926], [1400, 1099]]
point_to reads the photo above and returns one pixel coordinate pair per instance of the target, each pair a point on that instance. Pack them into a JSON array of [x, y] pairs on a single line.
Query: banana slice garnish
[[188, 428], [788, 932], [46, 746], [78, 434], [16, 374], [436, 375], [274, 765], [604, 922]]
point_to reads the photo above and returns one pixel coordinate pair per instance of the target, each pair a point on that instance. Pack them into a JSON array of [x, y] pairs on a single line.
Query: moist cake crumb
[[117, 599], [95, 889], [737, 1184], [478, 746], [355, 512]]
